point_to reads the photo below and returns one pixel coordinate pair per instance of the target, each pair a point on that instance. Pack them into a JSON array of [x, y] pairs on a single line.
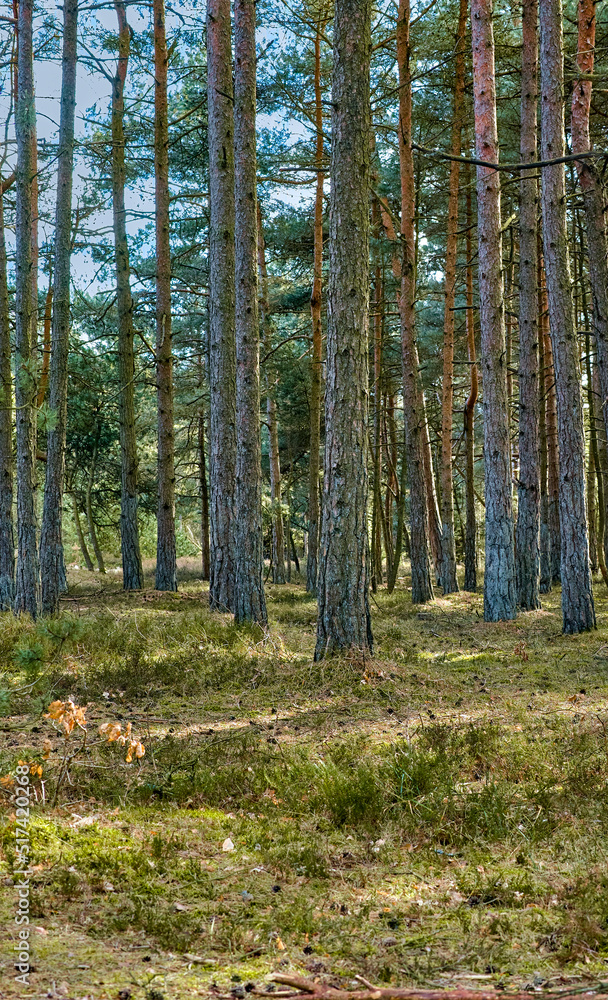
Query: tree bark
[[27, 589], [546, 576], [343, 600], [7, 538], [166, 555], [376, 532], [527, 535], [278, 538], [499, 580], [46, 341], [448, 543], [222, 344], [133, 577], [51, 544], [552, 449], [250, 602], [316, 370], [470, 545], [202, 472], [577, 595], [413, 400]]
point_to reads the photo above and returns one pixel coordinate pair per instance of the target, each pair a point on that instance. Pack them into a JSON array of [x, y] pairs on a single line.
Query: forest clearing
[[434, 816]]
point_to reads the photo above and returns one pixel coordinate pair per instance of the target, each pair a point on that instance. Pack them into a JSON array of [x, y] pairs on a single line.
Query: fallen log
[[307, 989]]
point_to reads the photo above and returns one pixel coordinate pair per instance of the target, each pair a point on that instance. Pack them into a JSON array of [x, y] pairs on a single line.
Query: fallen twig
[[319, 991]]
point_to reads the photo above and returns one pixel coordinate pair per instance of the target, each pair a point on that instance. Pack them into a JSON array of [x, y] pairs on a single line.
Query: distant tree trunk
[[343, 600], [222, 344], [546, 576], [89, 511], [316, 370], [7, 538], [600, 453], [51, 544], [27, 589], [413, 400], [448, 543], [133, 577], [470, 545], [202, 472], [527, 534], [499, 581], [166, 556], [46, 341], [577, 595], [594, 195], [596, 480], [79, 534], [278, 540], [250, 602]]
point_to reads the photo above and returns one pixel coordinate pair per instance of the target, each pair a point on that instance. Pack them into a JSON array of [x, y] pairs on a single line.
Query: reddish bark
[[470, 545]]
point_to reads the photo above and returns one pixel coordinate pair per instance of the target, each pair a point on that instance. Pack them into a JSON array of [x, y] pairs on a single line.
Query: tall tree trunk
[[51, 545], [577, 595], [470, 545], [343, 599], [316, 371], [413, 400], [527, 535], [222, 344], [27, 589], [376, 549], [600, 452], [552, 449], [278, 539], [250, 602], [89, 509], [7, 538], [448, 543], [546, 576], [166, 556], [46, 341], [133, 577], [594, 195], [202, 472], [499, 581]]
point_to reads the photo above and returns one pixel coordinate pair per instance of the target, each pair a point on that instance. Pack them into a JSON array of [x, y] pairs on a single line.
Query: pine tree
[[499, 581], [51, 546], [343, 604], [577, 595], [222, 343]]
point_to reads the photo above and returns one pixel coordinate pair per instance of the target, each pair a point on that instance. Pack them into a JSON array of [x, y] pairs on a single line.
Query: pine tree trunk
[[577, 596], [46, 341], [79, 534], [343, 600], [27, 588], [552, 450], [470, 544], [376, 549], [89, 510], [600, 452], [278, 540], [316, 371], [202, 472], [527, 535], [7, 538], [222, 344], [594, 195], [448, 543], [413, 400], [133, 577], [166, 556], [499, 580], [250, 602], [546, 576], [51, 545]]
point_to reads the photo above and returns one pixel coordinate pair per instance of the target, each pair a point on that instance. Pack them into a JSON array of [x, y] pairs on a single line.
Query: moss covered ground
[[432, 816]]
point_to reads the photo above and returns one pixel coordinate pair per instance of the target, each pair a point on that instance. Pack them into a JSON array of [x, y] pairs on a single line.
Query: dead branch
[[319, 991]]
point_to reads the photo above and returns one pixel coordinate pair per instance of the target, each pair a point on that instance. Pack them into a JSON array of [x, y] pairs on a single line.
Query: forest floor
[[437, 815]]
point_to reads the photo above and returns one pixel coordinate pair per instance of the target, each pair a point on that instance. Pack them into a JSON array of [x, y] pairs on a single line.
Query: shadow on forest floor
[[435, 815]]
